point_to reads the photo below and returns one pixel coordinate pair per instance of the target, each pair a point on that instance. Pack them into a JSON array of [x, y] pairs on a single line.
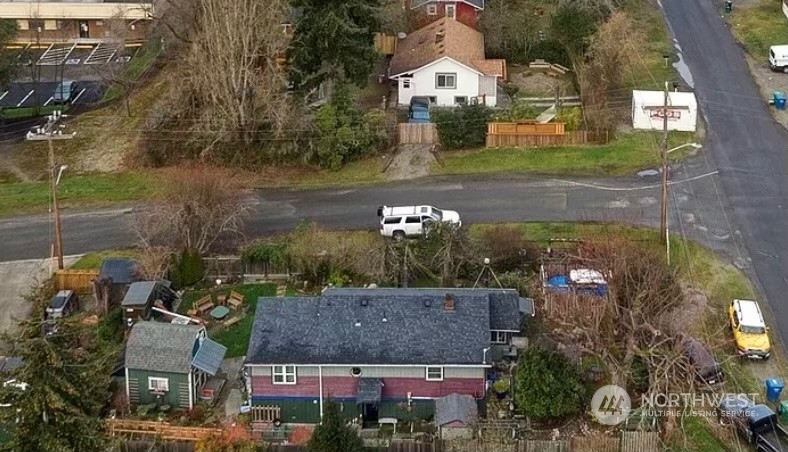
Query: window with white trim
[[50, 25], [157, 384], [284, 375], [446, 81], [434, 373], [461, 100], [499, 337], [406, 83], [451, 10], [432, 10], [23, 24]]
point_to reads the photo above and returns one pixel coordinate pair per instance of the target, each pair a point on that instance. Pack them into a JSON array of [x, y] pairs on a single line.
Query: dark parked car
[[65, 92], [62, 304], [707, 369]]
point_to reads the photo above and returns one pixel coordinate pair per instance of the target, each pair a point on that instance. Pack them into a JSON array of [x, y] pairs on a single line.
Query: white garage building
[[647, 110]]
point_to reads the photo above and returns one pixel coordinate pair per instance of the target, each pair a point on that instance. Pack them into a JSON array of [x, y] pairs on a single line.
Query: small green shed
[[168, 363]]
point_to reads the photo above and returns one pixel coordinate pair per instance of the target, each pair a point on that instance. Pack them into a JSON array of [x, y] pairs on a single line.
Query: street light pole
[[663, 212], [50, 133]]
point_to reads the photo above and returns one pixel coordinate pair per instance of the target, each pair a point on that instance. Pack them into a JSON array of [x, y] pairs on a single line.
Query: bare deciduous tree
[[196, 209], [232, 94], [615, 51]]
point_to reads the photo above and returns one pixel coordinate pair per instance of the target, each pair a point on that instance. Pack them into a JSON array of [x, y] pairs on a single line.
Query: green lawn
[[629, 152], [759, 27], [93, 260], [76, 190], [27, 112], [236, 337]]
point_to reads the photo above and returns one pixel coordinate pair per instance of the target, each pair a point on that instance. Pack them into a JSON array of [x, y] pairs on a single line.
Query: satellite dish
[[402, 35]]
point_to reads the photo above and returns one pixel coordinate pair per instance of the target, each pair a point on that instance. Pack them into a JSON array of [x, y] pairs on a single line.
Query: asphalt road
[[747, 145], [486, 199]]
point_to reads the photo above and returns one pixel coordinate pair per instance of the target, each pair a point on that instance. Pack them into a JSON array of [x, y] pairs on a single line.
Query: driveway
[[19, 278]]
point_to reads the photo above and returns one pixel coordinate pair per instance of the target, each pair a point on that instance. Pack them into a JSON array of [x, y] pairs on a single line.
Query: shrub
[[547, 385], [507, 249], [110, 327], [501, 386], [513, 280], [462, 127], [572, 117], [275, 253], [188, 270]]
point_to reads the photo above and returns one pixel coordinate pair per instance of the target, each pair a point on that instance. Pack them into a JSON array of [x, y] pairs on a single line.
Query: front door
[[84, 29], [369, 415]]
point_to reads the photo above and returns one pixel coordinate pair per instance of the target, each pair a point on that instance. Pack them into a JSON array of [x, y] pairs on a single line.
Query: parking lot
[[42, 69]]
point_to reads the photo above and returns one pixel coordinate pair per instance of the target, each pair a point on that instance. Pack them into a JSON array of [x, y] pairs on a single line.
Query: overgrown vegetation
[[8, 29], [462, 127], [759, 27], [333, 434], [547, 385]]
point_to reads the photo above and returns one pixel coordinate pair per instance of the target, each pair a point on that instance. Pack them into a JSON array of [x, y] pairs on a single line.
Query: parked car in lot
[[65, 92], [749, 330], [705, 367], [403, 221]]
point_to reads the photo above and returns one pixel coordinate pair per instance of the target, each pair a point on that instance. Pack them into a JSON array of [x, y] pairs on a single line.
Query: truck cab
[[778, 58], [402, 221], [749, 329]]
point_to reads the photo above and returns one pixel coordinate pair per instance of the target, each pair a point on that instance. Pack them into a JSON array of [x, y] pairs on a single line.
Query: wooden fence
[[76, 280], [574, 138], [385, 44], [421, 133], [162, 430]]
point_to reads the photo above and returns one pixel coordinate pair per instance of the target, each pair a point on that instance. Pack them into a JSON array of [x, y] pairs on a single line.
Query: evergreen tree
[[333, 41], [547, 385], [8, 29], [66, 379], [333, 435]]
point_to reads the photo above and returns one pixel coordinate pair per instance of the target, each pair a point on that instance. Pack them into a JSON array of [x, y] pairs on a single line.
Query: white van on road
[[778, 58], [399, 222]]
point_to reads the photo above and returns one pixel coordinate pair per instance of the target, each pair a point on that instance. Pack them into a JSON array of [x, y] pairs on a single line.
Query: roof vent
[[358, 323], [448, 302], [364, 302], [427, 303]]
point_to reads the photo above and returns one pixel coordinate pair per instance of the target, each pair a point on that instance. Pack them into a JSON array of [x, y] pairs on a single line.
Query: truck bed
[[772, 441]]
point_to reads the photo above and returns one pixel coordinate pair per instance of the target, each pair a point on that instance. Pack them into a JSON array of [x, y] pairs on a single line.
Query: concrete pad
[[232, 405], [19, 278]]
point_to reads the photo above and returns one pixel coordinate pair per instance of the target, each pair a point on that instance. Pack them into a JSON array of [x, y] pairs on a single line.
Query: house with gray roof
[[377, 352], [113, 281], [169, 364]]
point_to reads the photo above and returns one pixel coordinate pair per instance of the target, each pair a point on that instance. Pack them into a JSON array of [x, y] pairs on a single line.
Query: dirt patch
[[412, 161], [10, 171], [769, 81], [685, 317], [539, 84]]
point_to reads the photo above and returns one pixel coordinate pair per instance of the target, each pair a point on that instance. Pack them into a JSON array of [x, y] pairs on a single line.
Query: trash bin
[[728, 6], [779, 100], [774, 386], [782, 410]]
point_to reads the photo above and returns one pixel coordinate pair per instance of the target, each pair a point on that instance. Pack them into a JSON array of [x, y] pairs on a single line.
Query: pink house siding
[[345, 387]]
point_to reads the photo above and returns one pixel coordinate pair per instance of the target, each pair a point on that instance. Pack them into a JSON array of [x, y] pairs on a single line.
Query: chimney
[[448, 303]]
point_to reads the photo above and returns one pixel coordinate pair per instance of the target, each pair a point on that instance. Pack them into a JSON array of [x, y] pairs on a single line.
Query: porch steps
[[280, 290]]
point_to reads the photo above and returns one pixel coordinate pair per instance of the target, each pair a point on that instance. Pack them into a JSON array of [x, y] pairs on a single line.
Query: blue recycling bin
[[774, 386], [779, 100]]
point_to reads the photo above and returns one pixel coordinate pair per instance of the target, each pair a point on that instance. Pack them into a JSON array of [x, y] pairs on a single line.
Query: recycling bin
[[779, 100], [782, 410], [728, 6], [774, 386]]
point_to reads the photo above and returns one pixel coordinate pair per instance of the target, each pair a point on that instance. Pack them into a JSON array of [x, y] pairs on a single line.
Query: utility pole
[[663, 213], [50, 133]]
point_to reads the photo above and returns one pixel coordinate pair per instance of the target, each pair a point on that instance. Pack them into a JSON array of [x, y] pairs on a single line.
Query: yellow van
[[749, 330]]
